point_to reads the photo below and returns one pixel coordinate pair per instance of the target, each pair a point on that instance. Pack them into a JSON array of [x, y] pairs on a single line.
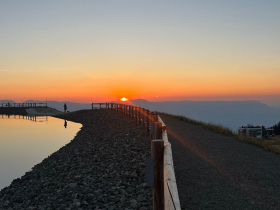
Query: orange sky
[[100, 52]]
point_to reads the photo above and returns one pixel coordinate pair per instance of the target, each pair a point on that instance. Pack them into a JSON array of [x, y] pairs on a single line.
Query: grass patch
[[271, 144]]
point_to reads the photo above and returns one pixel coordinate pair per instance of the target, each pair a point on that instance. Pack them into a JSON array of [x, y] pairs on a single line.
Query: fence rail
[[24, 104], [165, 193]]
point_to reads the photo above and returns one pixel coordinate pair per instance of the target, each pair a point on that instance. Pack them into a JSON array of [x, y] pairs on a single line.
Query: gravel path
[[103, 167], [214, 171]]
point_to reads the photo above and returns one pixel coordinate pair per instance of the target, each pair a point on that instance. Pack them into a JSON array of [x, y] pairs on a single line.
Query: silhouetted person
[[65, 107], [65, 123]]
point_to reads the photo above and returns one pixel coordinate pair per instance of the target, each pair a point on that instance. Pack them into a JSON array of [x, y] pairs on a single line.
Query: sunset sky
[[97, 51]]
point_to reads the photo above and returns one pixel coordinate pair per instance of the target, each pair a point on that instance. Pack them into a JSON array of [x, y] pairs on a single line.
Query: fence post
[[133, 112], [139, 115], [152, 125], [158, 130], [148, 121], [143, 117], [158, 190], [154, 119]]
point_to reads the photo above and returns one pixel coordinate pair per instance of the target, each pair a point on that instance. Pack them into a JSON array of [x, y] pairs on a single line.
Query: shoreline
[[103, 167]]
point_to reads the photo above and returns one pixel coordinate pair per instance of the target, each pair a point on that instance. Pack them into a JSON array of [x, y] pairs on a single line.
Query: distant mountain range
[[232, 114]]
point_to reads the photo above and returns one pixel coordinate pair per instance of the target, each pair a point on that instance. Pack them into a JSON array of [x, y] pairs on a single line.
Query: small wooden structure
[[24, 105]]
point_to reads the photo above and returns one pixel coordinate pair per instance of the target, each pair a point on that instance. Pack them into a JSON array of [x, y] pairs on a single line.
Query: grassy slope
[[272, 144]]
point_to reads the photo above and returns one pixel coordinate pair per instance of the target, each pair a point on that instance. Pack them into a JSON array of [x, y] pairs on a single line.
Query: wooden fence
[[165, 193], [24, 105]]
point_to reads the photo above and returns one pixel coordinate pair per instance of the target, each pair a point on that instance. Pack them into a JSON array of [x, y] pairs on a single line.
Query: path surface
[[214, 171]]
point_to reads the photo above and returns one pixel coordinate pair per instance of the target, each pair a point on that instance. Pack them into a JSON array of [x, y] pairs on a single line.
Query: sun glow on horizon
[[124, 99]]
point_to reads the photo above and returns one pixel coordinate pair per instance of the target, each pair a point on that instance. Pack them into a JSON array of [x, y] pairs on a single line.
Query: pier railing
[[165, 193], [31, 105]]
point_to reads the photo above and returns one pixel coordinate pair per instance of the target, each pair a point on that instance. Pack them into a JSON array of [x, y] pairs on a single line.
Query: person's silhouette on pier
[[65, 123], [65, 107]]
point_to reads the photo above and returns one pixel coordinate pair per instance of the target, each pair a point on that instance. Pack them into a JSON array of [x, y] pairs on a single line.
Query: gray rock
[[141, 198], [73, 185], [133, 203], [123, 192], [130, 189]]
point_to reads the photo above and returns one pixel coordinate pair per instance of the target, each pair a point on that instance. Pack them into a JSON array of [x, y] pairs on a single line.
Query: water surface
[[26, 141]]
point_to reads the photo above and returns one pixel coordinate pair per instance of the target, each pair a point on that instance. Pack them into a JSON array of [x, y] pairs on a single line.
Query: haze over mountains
[[232, 114]]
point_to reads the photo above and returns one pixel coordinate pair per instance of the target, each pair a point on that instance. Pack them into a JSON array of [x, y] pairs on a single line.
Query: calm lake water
[[26, 141]]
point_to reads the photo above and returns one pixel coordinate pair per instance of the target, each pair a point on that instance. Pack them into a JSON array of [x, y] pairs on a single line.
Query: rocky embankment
[[103, 167]]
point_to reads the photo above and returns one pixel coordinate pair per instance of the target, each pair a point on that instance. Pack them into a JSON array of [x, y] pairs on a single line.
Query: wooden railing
[[165, 193], [24, 105]]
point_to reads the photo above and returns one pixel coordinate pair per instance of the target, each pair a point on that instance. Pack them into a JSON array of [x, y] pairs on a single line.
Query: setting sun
[[123, 99]]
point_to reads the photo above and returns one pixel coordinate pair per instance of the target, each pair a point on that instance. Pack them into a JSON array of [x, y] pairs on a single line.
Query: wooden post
[[158, 190], [139, 117], [134, 113], [144, 117], [152, 125], [158, 130], [148, 121], [154, 119]]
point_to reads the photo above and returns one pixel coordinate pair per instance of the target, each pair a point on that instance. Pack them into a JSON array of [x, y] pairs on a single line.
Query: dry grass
[[271, 144]]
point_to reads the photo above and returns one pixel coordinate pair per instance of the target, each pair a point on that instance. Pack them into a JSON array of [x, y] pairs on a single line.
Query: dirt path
[[214, 171]]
